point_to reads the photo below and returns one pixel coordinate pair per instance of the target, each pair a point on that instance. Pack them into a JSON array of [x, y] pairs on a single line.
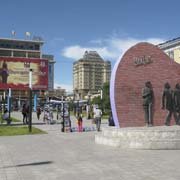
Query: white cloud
[[112, 48], [67, 87]]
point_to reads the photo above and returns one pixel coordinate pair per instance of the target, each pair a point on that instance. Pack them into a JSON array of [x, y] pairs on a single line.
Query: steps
[[159, 137]]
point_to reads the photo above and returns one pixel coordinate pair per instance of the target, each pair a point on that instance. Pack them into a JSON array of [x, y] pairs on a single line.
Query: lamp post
[[62, 114], [9, 103], [77, 104], [88, 106], [101, 95], [30, 100]]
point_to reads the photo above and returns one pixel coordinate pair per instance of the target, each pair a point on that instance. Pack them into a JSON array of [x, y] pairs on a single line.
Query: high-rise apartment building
[[90, 73]]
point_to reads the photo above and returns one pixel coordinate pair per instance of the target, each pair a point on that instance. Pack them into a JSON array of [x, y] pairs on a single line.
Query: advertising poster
[[14, 73]]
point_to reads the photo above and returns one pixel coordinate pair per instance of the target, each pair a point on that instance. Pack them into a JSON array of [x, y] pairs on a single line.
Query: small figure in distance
[[25, 113], [148, 99], [111, 120], [97, 118], [5, 117], [38, 111], [80, 121], [168, 103]]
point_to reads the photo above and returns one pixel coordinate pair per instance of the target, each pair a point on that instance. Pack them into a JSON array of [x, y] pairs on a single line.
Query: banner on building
[[14, 73]]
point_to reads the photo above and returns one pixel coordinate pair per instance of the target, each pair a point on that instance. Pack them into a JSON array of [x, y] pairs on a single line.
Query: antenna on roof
[[13, 33]]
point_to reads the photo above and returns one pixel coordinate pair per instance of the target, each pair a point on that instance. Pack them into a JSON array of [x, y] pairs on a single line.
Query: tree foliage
[[105, 99]]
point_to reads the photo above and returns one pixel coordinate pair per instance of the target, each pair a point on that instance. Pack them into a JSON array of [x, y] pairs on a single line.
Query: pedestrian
[[80, 122], [5, 117], [50, 116], [25, 114], [38, 111], [97, 117], [111, 120], [46, 114], [168, 103]]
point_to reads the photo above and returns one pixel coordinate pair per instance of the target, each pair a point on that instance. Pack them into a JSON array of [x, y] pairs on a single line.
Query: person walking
[[97, 118], [25, 114], [38, 111]]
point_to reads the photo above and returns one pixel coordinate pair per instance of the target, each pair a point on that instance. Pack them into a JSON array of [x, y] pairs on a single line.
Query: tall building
[[172, 49], [51, 63], [90, 73], [20, 56]]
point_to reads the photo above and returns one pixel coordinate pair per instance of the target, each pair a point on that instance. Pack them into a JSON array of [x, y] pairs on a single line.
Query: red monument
[[142, 62]]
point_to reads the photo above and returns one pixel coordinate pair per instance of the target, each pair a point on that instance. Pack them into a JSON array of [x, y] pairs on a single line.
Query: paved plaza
[[75, 156]]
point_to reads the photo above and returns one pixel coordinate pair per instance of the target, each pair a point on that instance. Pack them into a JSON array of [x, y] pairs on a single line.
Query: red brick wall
[[130, 80]]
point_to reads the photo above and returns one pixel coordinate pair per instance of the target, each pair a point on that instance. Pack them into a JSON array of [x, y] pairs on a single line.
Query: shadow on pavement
[[21, 124], [29, 164]]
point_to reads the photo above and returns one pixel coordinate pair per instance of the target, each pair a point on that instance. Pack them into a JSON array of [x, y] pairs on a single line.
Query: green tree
[[96, 100], [106, 98], [106, 107]]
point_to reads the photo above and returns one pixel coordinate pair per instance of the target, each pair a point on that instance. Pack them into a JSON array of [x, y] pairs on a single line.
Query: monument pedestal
[[158, 137]]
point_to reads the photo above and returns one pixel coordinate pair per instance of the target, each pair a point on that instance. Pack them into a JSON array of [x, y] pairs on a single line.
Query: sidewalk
[[75, 156]]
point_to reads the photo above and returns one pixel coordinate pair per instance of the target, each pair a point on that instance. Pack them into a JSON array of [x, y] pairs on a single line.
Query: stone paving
[[67, 156]]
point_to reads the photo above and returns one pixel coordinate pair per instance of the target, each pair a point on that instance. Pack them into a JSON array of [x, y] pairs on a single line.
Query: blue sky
[[69, 27]]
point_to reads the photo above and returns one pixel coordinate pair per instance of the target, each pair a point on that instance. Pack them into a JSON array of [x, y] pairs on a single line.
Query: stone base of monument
[[159, 137]]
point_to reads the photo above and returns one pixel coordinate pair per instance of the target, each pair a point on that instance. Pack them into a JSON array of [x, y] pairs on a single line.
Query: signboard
[[14, 73]]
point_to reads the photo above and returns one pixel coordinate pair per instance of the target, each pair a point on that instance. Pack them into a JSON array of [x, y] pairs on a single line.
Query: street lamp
[[9, 103], [30, 100], [88, 106], [77, 104], [101, 96], [62, 114]]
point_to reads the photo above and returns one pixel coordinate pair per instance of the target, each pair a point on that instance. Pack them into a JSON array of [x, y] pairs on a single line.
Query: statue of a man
[[148, 98], [168, 103], [177, 102]]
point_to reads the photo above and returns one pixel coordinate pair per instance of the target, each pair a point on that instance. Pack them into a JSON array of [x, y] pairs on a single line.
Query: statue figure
[[177, 103], [148, 98], [168, 103]]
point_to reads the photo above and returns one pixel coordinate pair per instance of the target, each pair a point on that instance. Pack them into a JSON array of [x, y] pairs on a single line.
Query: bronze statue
[[148, 98], [168, 103], [177, 103]]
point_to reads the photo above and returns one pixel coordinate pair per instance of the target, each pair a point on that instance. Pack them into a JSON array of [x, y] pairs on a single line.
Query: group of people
[[170, 102], [25, 113]]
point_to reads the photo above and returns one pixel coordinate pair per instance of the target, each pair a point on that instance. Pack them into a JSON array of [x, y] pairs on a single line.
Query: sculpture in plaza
[[168, 103], [177, 102], [148, 98]]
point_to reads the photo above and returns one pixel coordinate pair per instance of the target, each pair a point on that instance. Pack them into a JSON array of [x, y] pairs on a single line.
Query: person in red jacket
[[80, 121]]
